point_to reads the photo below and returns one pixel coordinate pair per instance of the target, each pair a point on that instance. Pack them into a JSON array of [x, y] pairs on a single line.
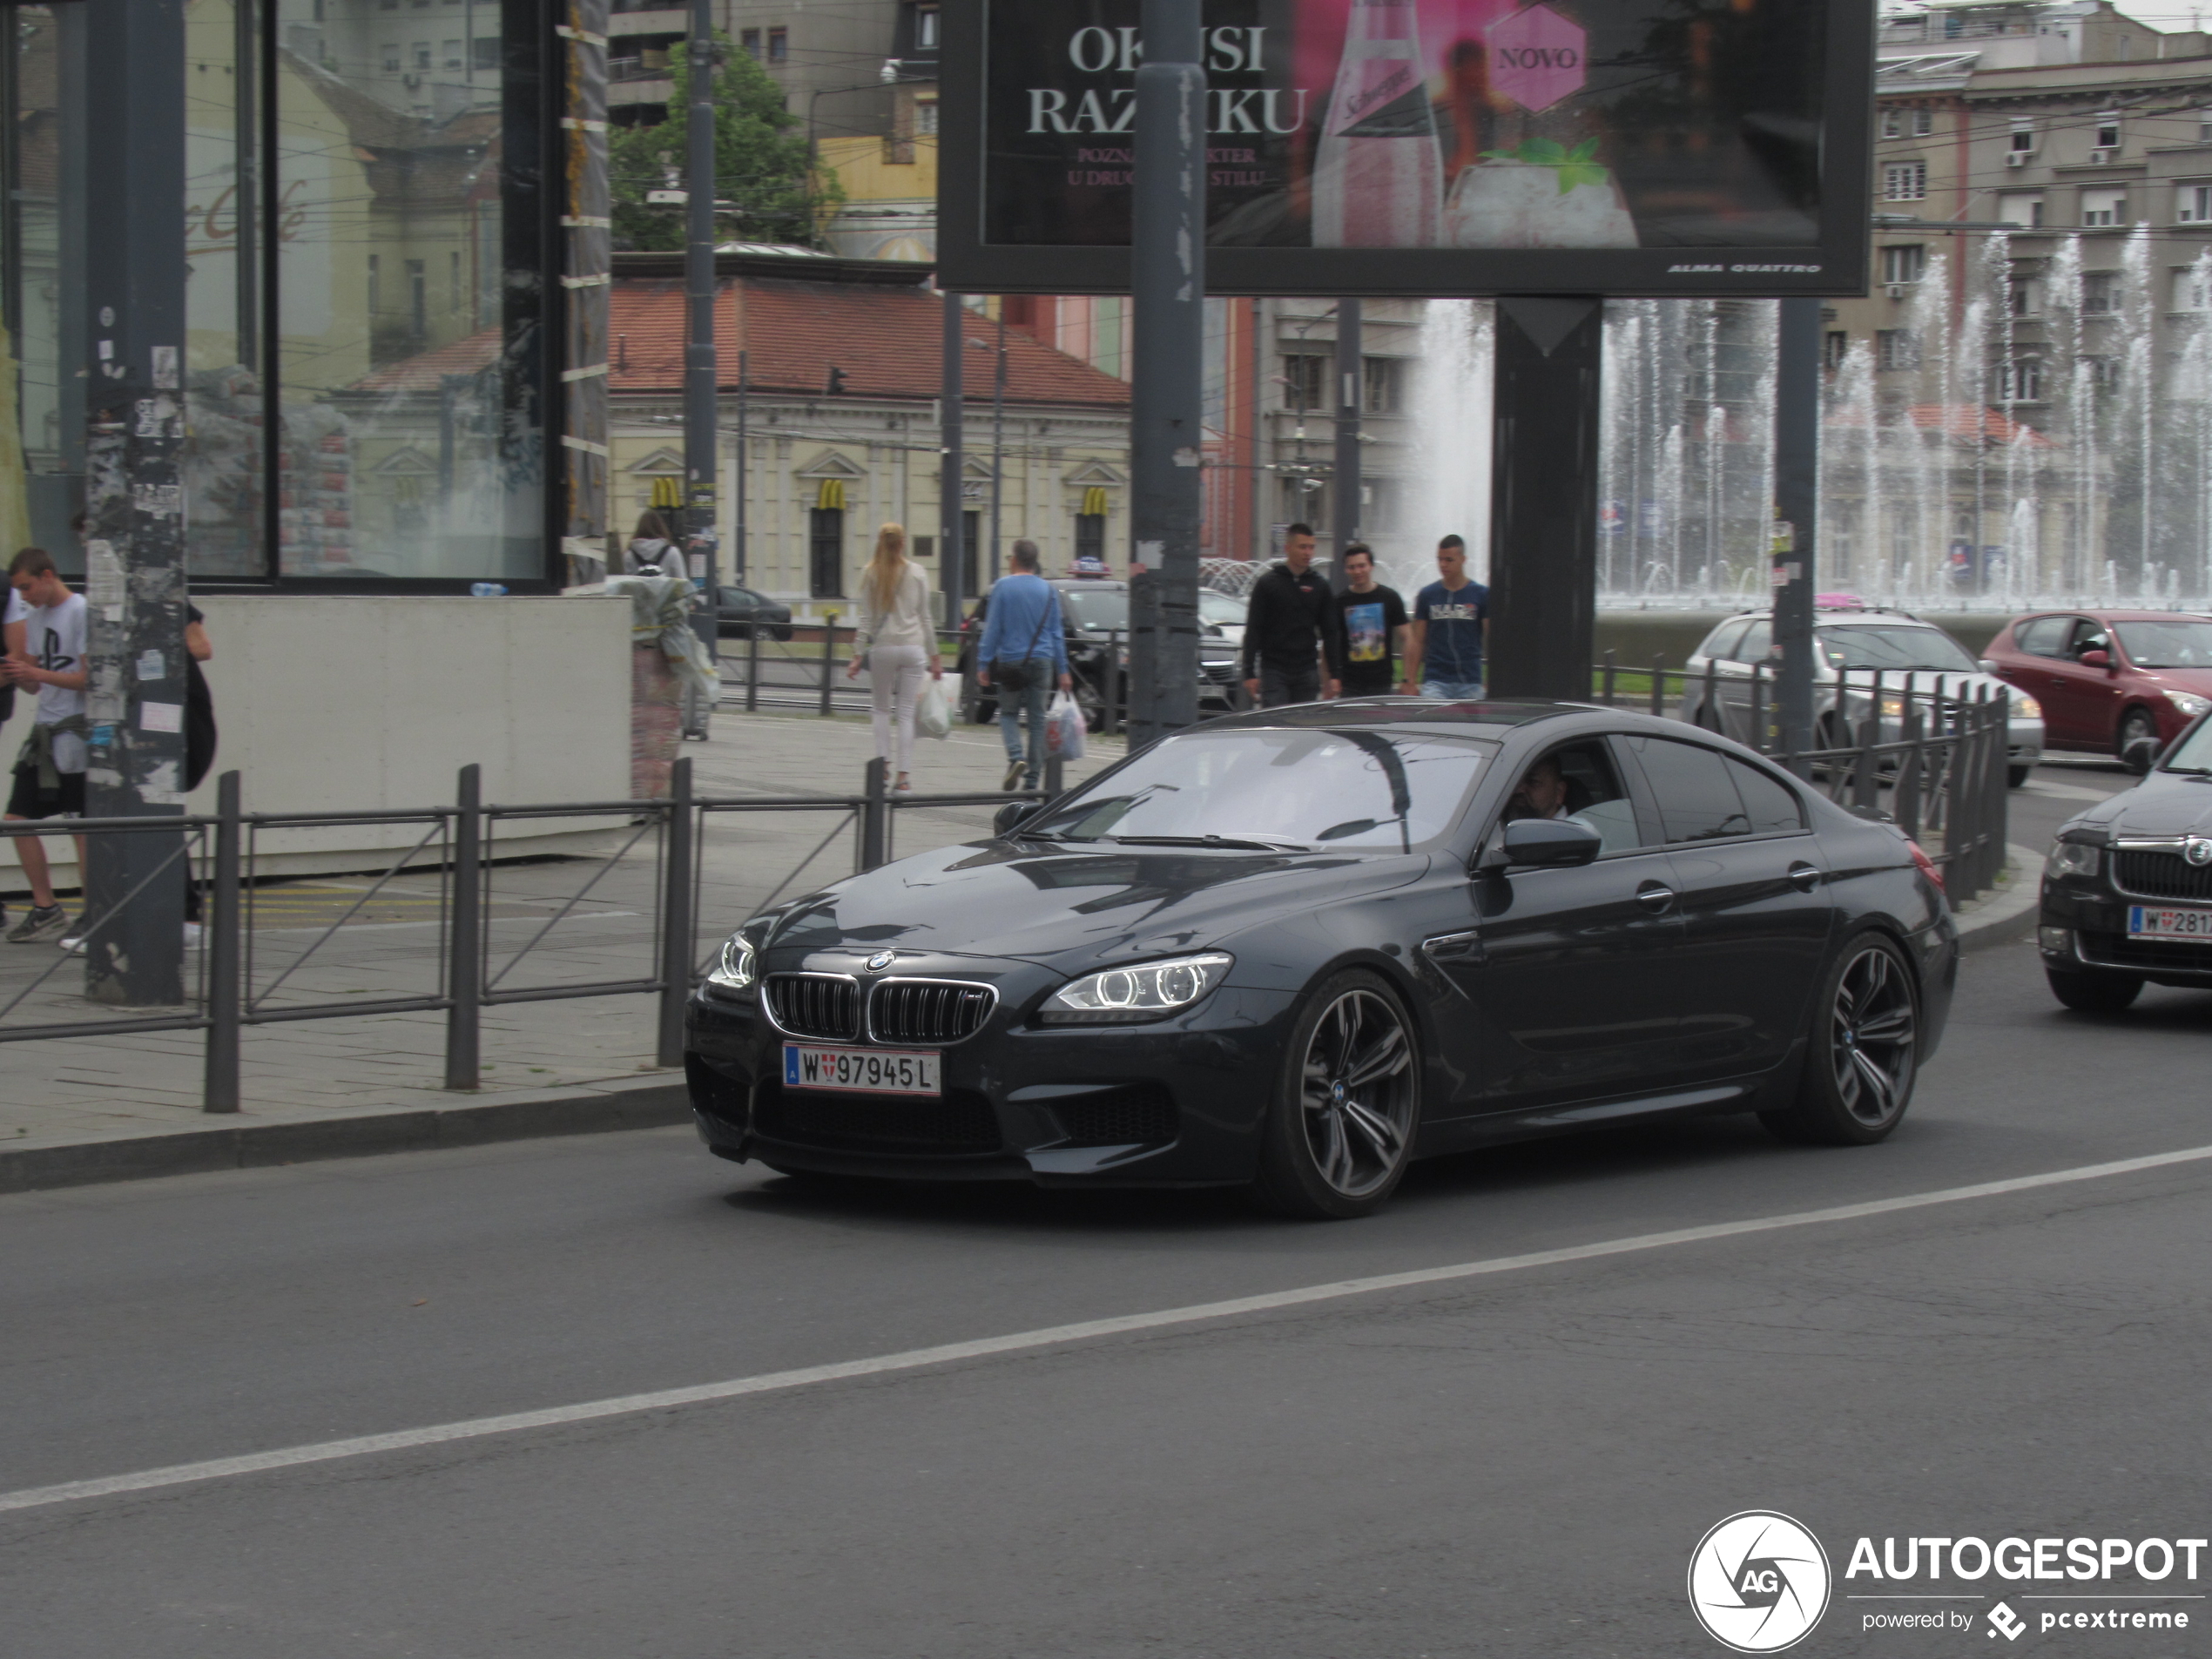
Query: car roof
[[2097, 614], [1825, 615], [1487, 718]]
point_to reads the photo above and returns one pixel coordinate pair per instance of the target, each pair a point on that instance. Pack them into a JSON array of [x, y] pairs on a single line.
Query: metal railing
[[757, 669], [1932, 759], [238, 977]]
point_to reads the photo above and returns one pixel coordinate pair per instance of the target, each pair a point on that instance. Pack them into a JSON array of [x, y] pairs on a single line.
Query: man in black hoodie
[[1291, 652]]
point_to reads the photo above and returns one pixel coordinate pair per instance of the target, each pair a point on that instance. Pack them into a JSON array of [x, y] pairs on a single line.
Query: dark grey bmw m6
[[1295, 950]]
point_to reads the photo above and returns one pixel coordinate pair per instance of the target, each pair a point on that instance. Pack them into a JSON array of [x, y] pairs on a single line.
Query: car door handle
[[1804, 877], [1652, 896]]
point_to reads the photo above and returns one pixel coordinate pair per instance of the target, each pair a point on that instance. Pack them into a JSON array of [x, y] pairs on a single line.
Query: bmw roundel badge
[[882, 960]]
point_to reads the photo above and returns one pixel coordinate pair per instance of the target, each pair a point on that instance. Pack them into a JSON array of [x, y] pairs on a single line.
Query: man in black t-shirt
[[1370, 620]]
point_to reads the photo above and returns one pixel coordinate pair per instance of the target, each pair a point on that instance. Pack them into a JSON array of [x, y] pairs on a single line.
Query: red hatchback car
[[2122, 683]]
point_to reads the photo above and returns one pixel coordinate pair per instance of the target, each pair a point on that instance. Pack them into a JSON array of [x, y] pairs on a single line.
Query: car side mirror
[[1011, 816], [1987, 666], [2095, 659], [1544, 844]]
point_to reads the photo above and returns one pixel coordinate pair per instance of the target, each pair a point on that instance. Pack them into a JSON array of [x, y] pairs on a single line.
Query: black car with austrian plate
[[2128, 888], [1293, 950]]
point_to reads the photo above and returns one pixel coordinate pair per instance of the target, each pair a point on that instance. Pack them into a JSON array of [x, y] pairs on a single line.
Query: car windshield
[[2178, 643], [1096, 609], [1896, 647], [1276, 786], [1216, 606]]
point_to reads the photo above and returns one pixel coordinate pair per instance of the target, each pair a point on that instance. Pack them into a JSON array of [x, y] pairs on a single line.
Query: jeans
[[1454, 691], [895, 673], [1279, 686], [1042, 673]]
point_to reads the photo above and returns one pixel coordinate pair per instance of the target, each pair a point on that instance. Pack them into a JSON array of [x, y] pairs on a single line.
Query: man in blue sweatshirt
[[1024, 645]]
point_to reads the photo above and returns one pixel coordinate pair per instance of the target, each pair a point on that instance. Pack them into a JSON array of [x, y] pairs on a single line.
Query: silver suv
[[1859, 647]]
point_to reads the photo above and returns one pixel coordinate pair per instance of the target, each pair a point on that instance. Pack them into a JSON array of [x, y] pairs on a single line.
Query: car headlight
[[2027, 708], [1126, 995], [2189, 703], [2074, 857], [736, 967]]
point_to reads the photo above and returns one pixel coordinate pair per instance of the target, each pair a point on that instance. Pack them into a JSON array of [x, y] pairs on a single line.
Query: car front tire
[[1863, 1056], [2093, 993], [1340, 1131], [2016, 776], [2139, 742]]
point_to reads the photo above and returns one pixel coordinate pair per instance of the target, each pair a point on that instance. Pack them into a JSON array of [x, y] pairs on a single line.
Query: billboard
[[1426, 146]]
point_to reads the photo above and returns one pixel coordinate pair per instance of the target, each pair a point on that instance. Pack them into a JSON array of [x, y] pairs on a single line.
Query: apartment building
[[829, 56]]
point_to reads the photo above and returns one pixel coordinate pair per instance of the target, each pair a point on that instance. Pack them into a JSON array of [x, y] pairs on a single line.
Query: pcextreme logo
[[1758, 1581]]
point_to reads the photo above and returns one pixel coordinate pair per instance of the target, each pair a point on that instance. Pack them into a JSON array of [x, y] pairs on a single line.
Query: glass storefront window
[[366, 300]]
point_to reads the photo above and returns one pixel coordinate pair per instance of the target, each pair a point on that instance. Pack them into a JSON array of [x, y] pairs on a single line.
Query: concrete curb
[[244, 1145], [2000, 917]]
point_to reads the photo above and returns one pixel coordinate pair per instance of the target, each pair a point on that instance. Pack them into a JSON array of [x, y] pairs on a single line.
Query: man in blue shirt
[[1450, 623], [1024, 643]]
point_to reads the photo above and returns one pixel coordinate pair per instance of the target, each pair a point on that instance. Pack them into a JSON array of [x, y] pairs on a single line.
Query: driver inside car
[[1541, 793]]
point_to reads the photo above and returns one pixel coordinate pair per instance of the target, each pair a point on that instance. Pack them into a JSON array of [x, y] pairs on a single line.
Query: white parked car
[[1223, 613], [1857, 647]]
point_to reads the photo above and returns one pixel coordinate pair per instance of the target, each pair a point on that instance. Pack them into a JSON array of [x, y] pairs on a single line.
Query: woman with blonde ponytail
[[896, 639]]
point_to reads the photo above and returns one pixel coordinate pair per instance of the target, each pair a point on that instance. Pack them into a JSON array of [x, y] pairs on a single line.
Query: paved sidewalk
[[589, 1061]]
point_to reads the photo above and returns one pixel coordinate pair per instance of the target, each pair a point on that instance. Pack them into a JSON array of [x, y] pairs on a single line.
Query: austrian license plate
[[2158, 922], [864, 1071]]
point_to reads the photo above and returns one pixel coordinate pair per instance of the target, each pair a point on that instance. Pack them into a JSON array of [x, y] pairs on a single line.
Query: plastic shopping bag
[[1064, 727], [934, 712]]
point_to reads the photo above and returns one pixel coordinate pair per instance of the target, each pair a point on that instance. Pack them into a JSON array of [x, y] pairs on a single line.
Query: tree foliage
[[760, 164]]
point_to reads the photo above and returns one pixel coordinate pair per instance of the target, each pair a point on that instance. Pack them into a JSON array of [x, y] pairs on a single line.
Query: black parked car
[[736, 607], [2127, 889], [1096, 614], [1297, 949]]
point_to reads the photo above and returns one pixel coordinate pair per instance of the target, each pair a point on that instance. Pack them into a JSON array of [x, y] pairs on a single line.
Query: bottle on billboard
[[1378, 174]]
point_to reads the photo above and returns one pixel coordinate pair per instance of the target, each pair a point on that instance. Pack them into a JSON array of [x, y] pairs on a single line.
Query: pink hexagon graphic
[[1536, 56]]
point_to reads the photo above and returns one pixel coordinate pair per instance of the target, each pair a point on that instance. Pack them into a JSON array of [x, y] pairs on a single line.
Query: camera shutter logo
[[2197, 849], [1758, 1581]]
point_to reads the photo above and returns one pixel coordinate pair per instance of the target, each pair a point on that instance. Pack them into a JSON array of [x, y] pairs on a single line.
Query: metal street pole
[[998, 442], [954, 459], [1351, 373], [1797, 504], [134, 278], [700, 437], [737, 505], [1168, 285]]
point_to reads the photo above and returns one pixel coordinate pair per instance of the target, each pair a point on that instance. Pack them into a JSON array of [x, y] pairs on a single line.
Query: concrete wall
[[360, 702]]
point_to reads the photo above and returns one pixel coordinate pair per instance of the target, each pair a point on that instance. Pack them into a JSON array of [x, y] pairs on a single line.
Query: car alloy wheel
[[1343, 1130], [1865, 1051], [2138, 744]]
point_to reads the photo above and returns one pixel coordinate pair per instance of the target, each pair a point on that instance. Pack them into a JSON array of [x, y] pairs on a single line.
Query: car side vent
[[816, 1005], [929, 1010], [1141, 1114]]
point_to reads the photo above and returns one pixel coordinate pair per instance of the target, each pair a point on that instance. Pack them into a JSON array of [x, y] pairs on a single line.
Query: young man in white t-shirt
[[48, 658]]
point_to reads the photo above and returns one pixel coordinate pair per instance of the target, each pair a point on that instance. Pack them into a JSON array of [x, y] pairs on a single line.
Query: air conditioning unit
[[2018, 158], [1897, 290], [2100, 157]]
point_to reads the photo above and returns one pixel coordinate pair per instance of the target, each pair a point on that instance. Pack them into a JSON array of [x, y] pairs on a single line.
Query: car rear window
[[1705, 796]]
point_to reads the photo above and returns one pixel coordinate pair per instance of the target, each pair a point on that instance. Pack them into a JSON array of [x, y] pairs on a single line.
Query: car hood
[[1945, 683], [1048, 904], [2163, 804], [2196, 680]]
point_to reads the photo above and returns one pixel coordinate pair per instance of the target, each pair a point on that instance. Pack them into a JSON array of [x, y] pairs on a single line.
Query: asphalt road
[[1513, 1463]]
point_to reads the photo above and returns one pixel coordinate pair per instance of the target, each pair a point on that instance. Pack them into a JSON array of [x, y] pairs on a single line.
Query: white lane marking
[[1051, 1335], [2068, 791]]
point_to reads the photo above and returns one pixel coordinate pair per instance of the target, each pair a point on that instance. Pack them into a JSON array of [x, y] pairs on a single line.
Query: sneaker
[[1013, 779], [41, 921], [73, 944]]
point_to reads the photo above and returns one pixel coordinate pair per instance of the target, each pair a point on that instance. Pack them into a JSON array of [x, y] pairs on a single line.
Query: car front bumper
[[1174, 1102], [2083, 926]]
